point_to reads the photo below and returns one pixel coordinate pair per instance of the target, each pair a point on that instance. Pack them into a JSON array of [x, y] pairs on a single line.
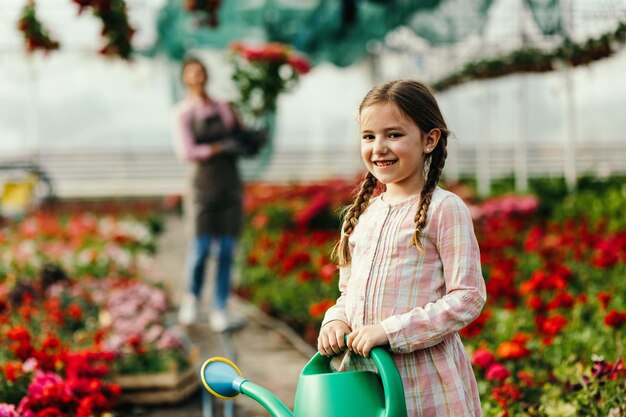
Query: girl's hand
[[330, 341], [362, 341]]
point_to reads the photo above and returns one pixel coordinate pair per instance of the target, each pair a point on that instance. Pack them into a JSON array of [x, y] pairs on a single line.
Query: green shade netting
[[336, 31], [547, 16]]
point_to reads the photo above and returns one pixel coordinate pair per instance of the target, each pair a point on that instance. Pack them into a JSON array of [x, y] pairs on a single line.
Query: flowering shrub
[[132, 316], [83, 244], [65, 317], [550, 341], [287, 266], [261, 73]]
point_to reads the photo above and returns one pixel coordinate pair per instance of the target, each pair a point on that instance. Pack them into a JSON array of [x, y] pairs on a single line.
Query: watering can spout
[[223, 379]]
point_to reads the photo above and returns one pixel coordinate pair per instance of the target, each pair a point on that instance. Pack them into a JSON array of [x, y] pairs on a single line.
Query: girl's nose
[[380, 146]]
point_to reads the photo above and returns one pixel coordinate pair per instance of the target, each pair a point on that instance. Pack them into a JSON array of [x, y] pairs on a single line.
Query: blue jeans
[[200, 251]]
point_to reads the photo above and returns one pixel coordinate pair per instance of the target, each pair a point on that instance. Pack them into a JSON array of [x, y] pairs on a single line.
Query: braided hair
[[415, 100]]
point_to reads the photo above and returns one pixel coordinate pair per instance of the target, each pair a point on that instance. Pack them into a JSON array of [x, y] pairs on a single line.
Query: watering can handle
[[395, 403]]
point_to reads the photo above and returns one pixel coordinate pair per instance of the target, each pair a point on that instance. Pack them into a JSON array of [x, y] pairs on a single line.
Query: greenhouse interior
[[421, 199]]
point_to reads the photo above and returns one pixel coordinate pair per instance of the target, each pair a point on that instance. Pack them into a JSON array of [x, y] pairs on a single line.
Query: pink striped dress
[[422, 301]]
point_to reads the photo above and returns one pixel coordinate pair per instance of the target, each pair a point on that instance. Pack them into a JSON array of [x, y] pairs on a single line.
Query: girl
[[410, 274], [204, 133]]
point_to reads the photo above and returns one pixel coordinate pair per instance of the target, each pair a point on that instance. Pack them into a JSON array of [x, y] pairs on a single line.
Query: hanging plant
[[208, 9], [536, 60], [35, 34], [263, 72], [115, 25]]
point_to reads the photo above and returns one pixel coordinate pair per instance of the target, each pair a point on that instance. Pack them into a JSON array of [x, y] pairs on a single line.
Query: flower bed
[[77, 314], [550, 341]]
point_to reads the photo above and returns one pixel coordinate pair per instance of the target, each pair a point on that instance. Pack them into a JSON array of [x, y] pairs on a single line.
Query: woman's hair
[[416, 101], [191, 60]]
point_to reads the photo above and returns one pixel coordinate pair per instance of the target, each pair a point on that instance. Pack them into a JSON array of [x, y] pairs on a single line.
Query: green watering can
[[321, 391]]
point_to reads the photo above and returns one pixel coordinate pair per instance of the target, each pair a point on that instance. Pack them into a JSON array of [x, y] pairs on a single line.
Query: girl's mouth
[[384, 163]]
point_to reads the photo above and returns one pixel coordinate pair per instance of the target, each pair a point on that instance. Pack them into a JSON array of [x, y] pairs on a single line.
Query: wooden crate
[[169, 387], [165, 388]]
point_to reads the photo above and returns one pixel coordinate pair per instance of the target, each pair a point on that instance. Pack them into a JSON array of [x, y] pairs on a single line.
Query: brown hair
[[190, 61], [417, 102]]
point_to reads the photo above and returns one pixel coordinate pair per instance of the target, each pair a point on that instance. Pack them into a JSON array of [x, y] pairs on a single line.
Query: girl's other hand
[[330, 341], [362, 341]]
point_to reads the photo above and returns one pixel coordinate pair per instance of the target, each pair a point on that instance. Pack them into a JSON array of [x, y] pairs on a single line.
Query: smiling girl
[[410, 274]]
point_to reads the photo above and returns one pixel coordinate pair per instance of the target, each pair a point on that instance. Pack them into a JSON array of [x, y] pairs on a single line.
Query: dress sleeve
[[338, 311], [465, 294], [186, 147]]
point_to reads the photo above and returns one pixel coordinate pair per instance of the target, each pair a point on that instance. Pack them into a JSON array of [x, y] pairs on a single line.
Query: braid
[[435, 168], [353, 212]]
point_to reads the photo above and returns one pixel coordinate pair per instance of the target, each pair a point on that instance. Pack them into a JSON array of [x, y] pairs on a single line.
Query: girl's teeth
[[384, 164]]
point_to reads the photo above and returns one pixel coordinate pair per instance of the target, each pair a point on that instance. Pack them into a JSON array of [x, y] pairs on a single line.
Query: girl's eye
[[395, 134], [368, 137]]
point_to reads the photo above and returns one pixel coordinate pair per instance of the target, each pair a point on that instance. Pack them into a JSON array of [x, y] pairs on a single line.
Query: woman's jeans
[[200, 251]]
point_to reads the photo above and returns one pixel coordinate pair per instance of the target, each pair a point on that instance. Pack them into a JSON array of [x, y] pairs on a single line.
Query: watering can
[[321, 391]]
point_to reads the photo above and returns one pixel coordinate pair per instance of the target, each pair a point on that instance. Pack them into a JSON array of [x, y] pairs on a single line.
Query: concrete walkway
[[267, 351]]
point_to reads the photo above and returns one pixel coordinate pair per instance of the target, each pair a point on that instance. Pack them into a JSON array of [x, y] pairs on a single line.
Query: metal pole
[[207, 399], [569, 168], [229, 350], [483, 175], [452, 164], [32, 112], [521, 144]]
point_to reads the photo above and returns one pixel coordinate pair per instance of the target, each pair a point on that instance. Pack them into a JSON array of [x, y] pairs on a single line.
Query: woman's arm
[[465, 295], [186, 147]]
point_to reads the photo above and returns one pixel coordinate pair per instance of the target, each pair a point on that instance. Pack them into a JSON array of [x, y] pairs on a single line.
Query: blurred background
[[533, 91], [538, 113]]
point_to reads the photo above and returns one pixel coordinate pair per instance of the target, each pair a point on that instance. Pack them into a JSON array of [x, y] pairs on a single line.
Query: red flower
[[19, 334], [252, 259], [525, 378], [615, 319], [260, 221], [506, 394], [535, 303], [553, 325], [300, 64], [604, 298], [305, 275], [483, 358], [607, 254], [327, 272], [476, 327], [12, 371], [497, 372], [74, 311], [562, 300], [318, 203], [51, 342], [317, 310]]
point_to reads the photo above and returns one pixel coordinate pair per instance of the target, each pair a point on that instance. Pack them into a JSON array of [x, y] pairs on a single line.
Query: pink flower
[[8, 410], [483, 358], [497, 372]]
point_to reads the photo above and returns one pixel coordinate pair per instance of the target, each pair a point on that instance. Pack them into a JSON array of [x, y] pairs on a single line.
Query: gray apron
[[216, 185]]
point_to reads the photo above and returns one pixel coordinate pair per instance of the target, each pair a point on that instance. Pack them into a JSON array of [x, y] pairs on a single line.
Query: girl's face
[[394, 149], [194, 75]]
